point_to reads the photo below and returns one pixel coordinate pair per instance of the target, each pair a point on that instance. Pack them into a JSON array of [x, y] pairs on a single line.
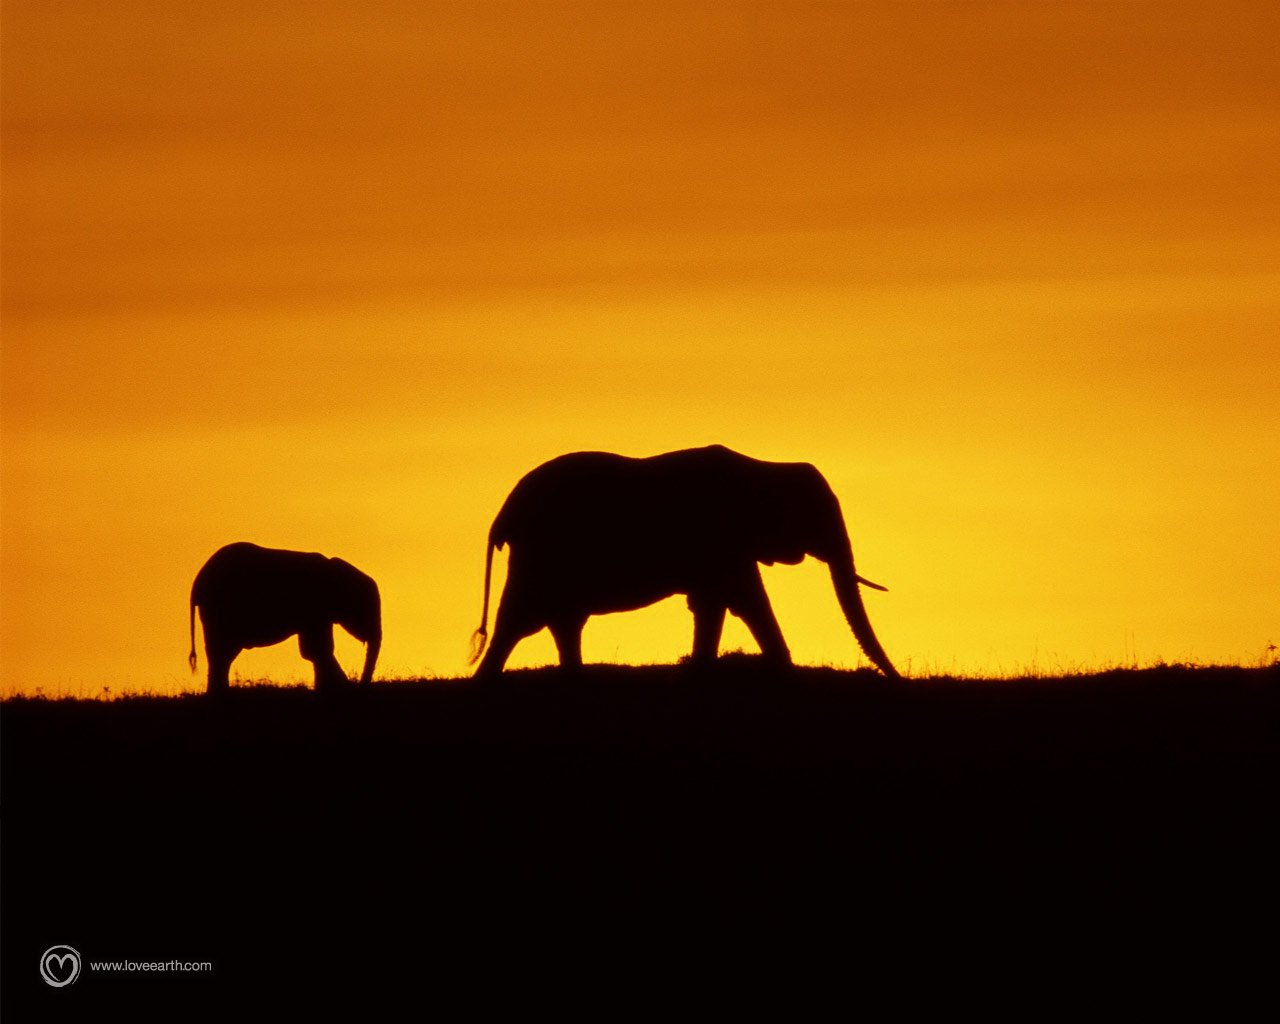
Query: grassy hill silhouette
[[623, 829]]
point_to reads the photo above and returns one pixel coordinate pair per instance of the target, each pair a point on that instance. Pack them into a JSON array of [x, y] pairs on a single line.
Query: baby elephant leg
[[316, 645]]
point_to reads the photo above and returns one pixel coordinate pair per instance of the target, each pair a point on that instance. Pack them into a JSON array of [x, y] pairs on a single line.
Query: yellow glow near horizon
[[1009, 275]]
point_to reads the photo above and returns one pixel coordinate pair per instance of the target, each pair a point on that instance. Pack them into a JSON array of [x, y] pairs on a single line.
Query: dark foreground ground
[[653, 841]]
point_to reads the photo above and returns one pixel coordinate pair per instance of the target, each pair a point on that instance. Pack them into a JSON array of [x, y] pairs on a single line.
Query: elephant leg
[[567, 634], [219, 670], [708, 625], [509, 628], [329, 674], [495, 658], [316, 645], [751, 604]]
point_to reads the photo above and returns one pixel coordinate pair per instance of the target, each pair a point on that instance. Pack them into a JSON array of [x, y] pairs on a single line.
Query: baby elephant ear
[[349, 572]]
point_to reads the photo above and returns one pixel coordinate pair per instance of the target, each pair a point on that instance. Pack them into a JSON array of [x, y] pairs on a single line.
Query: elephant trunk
[[371, 650], [846, 582]]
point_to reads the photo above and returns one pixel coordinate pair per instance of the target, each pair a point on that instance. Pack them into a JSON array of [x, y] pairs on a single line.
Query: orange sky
[[333, 276]]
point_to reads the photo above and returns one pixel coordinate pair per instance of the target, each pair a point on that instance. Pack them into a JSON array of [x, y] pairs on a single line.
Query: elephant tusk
[[873, 586]]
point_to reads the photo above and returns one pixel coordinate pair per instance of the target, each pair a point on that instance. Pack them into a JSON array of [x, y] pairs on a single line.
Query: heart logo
[[59, 966]]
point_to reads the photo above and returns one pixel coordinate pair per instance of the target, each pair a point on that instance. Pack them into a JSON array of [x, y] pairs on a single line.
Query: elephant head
[[357, 608], [594, 532], [791, 512]]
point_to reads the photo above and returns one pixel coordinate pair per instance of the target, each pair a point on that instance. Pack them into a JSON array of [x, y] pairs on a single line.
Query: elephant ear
[[349, 574], [792, 503]]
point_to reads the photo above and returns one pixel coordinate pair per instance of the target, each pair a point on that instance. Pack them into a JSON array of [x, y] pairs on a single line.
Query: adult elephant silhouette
[[250, 596], [593, 532]]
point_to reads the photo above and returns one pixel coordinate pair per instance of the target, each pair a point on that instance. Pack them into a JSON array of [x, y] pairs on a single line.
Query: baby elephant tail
[[191, 658]]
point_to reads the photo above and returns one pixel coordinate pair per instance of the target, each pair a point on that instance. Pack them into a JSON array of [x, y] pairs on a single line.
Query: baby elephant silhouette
[[250, 596]]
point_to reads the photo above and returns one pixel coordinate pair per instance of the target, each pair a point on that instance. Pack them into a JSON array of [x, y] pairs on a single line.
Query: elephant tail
[[481, 636], [191, 658]]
